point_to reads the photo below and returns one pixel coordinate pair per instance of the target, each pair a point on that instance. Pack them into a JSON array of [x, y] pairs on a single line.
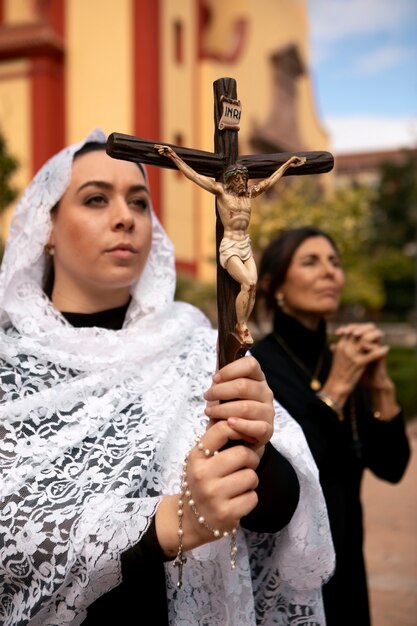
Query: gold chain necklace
[[315, 384]]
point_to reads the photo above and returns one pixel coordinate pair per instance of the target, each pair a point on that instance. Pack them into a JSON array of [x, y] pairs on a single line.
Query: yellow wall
[[15, 11], [178, 116], [99, 67], [15, 122], [15, 104]]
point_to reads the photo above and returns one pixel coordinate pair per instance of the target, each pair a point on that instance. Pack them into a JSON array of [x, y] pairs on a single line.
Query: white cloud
[[382, 59], [334, 20], [361, 133]]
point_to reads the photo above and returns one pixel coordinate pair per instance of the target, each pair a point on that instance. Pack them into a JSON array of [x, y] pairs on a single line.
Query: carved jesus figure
[[234, 196]]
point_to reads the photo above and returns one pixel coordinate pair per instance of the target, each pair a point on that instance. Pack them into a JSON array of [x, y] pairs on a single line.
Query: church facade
[[147, 68]]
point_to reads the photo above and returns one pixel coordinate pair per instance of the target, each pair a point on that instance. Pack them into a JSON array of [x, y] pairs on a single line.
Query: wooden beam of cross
[[213, 164]]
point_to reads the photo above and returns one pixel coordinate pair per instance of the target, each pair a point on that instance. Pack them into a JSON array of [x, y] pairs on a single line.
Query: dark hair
[[277, 257], [89, 146]]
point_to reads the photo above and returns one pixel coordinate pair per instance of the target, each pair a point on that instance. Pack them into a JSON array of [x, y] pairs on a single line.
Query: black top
[[112, 319], [143, 575], [342, 450]]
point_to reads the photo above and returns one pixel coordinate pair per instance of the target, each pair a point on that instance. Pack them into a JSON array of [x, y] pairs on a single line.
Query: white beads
[[185, 492], [207, 452]]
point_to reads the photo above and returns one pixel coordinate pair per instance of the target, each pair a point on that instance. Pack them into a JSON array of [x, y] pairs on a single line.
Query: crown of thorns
[[234, 169]]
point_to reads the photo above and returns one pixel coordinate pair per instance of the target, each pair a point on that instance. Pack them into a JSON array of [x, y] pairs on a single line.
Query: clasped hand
[[359, 356]]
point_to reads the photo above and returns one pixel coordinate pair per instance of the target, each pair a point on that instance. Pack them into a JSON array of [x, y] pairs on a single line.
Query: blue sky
[[364, 71]]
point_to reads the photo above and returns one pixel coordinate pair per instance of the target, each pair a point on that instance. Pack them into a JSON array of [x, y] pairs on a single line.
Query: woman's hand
[[240, 394], [367, 339], [355, 356], [220, 481]]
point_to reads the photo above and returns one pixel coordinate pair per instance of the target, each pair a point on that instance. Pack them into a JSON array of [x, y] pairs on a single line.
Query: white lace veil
[[94, 426], [21, 296]]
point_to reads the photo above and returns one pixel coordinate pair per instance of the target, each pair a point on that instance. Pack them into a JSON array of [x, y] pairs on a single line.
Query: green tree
[[8, 193], [394, 208], [394, 245]]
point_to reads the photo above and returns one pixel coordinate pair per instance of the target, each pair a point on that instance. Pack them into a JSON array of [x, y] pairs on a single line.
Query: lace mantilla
[[91, 436]]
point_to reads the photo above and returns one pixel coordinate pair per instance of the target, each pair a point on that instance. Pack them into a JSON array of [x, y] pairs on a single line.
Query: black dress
[[143, 574], [342, 450]]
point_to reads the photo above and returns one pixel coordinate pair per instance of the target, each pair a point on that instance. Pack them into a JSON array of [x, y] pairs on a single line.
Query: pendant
[[315, 384]]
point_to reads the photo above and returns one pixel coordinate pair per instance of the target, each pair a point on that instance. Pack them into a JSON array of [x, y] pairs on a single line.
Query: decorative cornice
[[223, 51], [29, 40], [289, 58]]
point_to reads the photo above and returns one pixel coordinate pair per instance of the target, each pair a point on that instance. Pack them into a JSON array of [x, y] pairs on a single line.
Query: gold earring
[[280, 299]]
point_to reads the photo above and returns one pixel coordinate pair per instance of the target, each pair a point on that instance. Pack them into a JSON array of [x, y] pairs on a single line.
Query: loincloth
[[231, 247]]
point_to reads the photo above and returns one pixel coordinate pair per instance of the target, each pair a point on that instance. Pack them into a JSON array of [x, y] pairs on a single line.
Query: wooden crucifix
[[217, 165]]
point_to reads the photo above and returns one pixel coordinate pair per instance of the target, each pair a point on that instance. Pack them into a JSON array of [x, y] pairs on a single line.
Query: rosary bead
[[185, 492]]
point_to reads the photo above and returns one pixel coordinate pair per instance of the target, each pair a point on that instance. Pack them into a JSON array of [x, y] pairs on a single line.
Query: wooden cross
[[212, 164]]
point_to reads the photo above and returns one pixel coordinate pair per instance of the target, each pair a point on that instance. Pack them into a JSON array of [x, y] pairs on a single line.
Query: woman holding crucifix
[[119, 496]]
